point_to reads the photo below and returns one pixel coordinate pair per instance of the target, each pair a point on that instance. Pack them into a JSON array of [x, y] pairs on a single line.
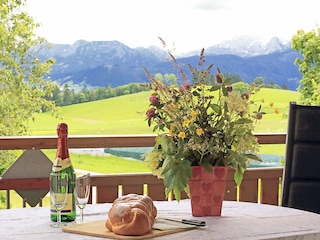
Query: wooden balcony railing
[[259, 185]]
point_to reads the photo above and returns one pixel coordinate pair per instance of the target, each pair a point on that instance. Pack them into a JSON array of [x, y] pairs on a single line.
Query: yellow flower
[[277, 111], [182, 135], [185, 123], [199, 131], [153, 166], [193, 115]]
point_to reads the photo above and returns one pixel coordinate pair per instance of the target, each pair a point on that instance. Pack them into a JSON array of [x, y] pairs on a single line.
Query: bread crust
[[131, 215]]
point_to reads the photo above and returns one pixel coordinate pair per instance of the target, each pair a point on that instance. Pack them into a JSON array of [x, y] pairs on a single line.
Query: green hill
[[118, 115], [126, 114]]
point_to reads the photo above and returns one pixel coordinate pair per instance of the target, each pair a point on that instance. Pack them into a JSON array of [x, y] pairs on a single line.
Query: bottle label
[[67, 209], [61, 164]]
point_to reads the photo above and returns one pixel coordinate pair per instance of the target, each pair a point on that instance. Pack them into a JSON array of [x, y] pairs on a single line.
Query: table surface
[[239, 220]]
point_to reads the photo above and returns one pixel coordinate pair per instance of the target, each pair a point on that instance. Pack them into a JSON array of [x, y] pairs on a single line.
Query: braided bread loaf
[[132, 215]]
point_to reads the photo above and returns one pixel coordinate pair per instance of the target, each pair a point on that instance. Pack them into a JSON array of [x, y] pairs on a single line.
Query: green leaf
[[241, 161], [177, 176], [224, 91], [195, 93], [208, 167], [243, 121], [168, 145], [216, 108], [177, 194], [227, 81], [238, 176], [253, 157], [214, 88], [167, 164], [167, 192]]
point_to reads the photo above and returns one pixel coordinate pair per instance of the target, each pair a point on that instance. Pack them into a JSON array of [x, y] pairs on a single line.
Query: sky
[[185, 25]]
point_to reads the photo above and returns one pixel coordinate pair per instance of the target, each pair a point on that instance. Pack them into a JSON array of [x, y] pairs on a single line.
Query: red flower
[[245, 95], [229, 88], [218, 77], [185, 87], [150, 113], [153, 100], [258, 116]]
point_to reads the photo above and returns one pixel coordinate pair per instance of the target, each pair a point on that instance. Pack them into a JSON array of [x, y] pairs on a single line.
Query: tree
[[284, 86], [55, 96], [259, 81], [110, 92], [307, 43], [67, 95], [23, 86], [240, 87], [159, 77], [170, 79], [79, 97], [233, 78], [101, 93], [272, 85]]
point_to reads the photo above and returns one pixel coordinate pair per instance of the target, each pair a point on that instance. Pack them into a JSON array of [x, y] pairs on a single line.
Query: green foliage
[[21, 74], [308, 44], [66, 96], [232, 78], [241, 87], [259, 81], [22, 83], [6, 159], [271, 84]]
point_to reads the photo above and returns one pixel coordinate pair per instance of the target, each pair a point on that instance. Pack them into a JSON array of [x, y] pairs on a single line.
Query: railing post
[[8, 198]]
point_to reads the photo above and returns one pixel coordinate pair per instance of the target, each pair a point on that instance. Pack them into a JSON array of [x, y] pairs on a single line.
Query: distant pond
[[268, 160]]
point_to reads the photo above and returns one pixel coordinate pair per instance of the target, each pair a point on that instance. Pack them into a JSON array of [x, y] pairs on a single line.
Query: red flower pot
[[207, 191]]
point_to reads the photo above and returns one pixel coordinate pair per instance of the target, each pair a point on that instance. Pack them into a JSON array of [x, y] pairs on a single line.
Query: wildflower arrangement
[[200, 125]]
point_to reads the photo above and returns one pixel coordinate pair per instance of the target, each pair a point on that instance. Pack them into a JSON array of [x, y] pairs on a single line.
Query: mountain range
[[110, 63]]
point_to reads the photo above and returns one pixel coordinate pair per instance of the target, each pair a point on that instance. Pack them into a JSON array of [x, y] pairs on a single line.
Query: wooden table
[[239, 221]]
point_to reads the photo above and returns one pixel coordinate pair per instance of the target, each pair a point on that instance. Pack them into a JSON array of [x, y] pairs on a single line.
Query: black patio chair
[[301, 176]]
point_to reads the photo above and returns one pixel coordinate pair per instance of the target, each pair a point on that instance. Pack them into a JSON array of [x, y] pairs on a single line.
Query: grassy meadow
[[126, 115], [118, 115]]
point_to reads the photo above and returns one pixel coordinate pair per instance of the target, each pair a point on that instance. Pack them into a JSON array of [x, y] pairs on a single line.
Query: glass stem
[[81, 214], [59, 217]]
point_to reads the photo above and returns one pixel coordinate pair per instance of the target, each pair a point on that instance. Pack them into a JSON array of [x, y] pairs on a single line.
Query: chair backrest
[[301, 177], [29, 177]]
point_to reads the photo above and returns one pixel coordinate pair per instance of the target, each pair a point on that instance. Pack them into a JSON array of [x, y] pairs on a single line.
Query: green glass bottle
[[63, 163]]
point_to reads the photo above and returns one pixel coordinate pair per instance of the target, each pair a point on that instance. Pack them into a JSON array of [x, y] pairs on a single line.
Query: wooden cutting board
[[98, 229]]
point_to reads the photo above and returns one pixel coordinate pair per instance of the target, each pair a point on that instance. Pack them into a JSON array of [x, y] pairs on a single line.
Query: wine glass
[[82, 192], [58, 194]]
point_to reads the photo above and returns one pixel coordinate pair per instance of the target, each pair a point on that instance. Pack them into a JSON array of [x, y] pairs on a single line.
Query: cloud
[[208, 5], [191, 24]]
